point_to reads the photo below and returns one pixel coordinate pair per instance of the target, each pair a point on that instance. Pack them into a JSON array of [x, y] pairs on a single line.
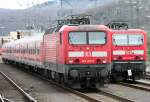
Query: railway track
[[147, 76], [137, 85], [2, 99], [25, 95], [98, 96], [95, 96]]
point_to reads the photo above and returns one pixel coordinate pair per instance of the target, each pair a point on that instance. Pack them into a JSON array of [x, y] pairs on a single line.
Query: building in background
[[14, 35]]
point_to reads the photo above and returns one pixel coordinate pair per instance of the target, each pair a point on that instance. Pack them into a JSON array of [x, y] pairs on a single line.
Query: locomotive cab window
[[119, 39], [97, 38], [77, 38], [136, 39], [87, 37], [128, 39]]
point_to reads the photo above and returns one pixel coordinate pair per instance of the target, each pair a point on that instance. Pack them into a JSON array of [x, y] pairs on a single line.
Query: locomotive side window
[[97, 38], [77, 37]]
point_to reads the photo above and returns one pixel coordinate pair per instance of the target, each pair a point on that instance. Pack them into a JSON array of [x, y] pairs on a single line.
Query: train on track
[[129, 52], [82, 55], [77, 54]]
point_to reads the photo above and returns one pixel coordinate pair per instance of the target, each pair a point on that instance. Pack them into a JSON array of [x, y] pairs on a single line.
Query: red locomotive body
[[77, 55], [129, 54], [80, 53]]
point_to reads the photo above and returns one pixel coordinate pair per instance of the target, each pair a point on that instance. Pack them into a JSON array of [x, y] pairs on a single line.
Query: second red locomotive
[[128, 54]]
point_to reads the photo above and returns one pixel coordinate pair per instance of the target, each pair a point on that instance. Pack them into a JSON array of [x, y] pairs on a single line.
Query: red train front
[[77, 55], [128, 54], [81, 54]]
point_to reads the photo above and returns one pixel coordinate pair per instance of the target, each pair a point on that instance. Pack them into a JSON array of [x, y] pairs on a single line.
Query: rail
[[84, 95], [136, 86], [28, 97], [116, 97]]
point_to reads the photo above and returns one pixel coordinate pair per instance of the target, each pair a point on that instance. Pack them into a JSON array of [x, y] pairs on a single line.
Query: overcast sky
[[19, 4]]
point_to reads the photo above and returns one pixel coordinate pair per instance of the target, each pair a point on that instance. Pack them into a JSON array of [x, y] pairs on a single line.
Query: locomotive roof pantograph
[[71, 20], [117, 25]]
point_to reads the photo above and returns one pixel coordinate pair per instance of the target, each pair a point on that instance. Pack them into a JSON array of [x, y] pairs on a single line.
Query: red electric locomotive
[[78, 55], [129, 54]]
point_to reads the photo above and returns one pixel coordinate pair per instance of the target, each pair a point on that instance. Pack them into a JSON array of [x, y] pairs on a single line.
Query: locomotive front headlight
[[70, 61], [141, 58], [104, 61]]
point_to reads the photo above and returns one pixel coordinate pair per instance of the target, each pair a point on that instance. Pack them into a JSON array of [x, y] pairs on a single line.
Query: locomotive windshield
[[127, 39], [97, 37], [87, 37], [77, 38]]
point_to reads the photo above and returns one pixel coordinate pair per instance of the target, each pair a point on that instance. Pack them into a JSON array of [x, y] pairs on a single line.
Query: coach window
[[31, 51], [38, 51], [34, 51]]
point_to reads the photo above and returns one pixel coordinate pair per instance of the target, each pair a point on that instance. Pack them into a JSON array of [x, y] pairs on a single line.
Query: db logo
[[128, 52], [87, 54]]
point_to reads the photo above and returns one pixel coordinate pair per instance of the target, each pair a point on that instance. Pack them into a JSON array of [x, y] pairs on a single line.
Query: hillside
[[43, 14]]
